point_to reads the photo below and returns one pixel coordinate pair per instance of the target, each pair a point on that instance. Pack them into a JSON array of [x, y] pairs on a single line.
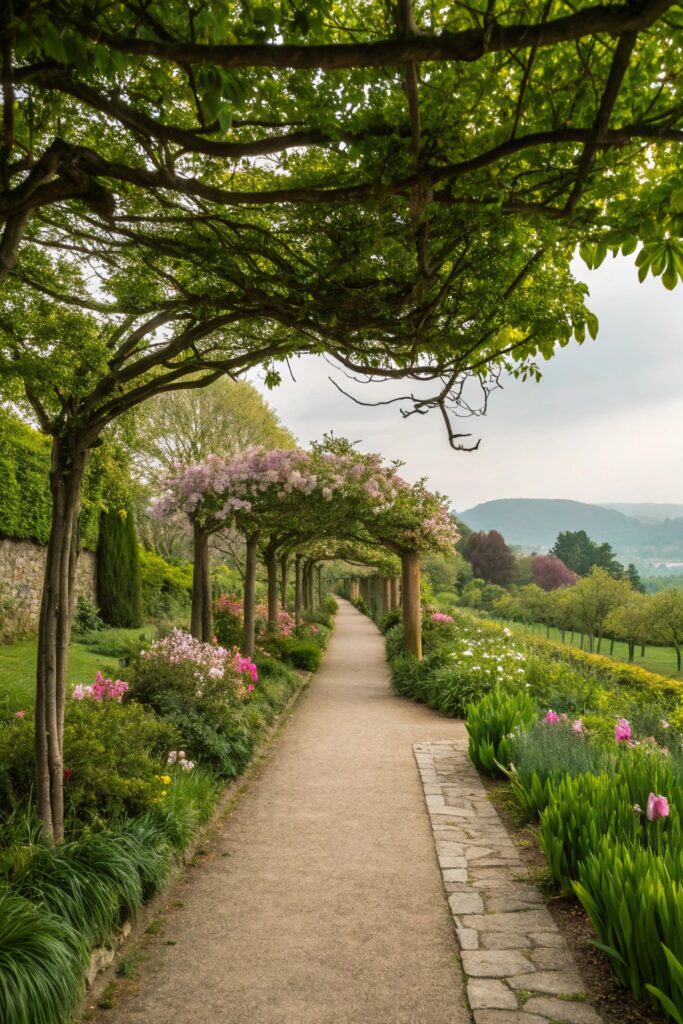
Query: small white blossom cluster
[[491, 657]]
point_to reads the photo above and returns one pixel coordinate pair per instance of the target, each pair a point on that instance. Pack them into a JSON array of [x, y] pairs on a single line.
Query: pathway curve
[[321, 900]]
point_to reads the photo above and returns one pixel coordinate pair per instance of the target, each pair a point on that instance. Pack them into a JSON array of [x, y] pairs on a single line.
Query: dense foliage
[[119, 583]]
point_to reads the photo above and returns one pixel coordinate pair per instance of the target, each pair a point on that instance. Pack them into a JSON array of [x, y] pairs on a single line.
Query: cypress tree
[[119, 581]]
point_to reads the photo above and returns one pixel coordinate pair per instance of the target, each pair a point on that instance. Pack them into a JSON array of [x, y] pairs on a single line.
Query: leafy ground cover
[[593, 750], [146, 759]]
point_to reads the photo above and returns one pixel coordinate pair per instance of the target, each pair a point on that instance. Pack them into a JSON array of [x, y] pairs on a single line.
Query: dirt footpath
[[320, 900]]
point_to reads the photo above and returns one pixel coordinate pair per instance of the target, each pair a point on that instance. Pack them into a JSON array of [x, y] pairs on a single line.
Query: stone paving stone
[[497, 963], [490, 994], [507, 1017], [509, 943], [556, 983], [563, 1010]]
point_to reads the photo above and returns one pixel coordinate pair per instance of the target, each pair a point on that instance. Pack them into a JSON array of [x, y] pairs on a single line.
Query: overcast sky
[[604, 425]]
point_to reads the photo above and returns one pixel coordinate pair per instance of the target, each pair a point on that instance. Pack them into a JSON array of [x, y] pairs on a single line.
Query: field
[[99, 652], [656, 659]]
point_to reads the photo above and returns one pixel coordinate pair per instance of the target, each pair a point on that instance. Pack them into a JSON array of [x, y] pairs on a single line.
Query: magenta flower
[[657, 807], [622, 731], [552, 717], [577, 725], [442, 617], [20, 714]]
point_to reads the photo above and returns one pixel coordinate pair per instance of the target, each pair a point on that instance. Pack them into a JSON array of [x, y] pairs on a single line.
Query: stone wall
[[21, 580]]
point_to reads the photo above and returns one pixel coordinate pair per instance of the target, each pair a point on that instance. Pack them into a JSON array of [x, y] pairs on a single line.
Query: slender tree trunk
[[271, 570], [68, 462], [284, 572], [310, 595], [393, 586], [611, 647], [319, 571], [631, 651], [678, 657], [412, 617], [642, 650], [298, 591], [248, 643], [201, 619]]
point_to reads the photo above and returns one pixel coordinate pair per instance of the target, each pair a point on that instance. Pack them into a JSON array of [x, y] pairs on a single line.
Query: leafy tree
[[550, 572], [524, 570], [630, 622], [446, 571], [491, 558], [666, 620], [579, 553], [119, 580], [593, 598]]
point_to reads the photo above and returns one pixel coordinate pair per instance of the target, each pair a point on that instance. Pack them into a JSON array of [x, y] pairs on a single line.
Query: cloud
[[604, 424]]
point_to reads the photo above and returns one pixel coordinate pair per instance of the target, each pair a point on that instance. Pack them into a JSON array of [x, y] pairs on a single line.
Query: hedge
[[25, 501]]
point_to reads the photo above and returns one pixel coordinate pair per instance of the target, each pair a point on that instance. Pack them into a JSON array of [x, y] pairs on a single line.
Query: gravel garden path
[[320, 899]]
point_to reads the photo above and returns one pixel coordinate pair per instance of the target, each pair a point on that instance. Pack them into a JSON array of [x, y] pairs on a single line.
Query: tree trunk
[[642, 650], [412, 618], [68, 462], [393, 587], [631, 651], [678, 657], [298, 591], [611, 647], [201, 619], [271, 570], [320, 585], [250, 596], [309, 595], [284, 572]]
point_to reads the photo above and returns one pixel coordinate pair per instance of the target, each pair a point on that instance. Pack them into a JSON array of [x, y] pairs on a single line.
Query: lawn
[[656, 659], [99, 652]]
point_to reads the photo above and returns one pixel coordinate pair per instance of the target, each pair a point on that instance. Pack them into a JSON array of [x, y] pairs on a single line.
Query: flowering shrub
[[229, 620], [442, 617], [101, 689], [178, 757], [207, 663]]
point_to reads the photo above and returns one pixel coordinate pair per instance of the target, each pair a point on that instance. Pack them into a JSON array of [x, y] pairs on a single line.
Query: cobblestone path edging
[[517, 966]]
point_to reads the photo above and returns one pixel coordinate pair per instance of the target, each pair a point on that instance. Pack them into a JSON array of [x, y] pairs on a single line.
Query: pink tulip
[[622, 730], [657, 807], [552, 717]]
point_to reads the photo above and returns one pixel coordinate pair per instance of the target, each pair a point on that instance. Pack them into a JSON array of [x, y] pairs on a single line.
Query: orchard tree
[[593, 598], [666, 620], [491, 558], [630, 622], [550, 572]]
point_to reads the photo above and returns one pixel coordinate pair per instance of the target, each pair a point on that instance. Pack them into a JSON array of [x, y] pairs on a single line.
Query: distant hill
[[649, 511], [534, 523]]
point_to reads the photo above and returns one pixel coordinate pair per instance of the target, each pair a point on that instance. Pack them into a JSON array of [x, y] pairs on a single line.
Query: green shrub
[[87, 617], [166, 587], [303, 654], [491, 723], [331, 605], [119, 582], [391, 619], [113, 756], [41, 964]]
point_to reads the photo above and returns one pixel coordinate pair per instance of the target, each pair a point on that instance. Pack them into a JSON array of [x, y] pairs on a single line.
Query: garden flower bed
[[594, 754]]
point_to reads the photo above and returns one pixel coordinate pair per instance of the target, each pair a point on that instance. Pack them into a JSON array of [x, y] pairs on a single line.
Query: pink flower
[[20, 714], [577, 725], [622, 731], [657, 807], [552, 717], [442, 617]]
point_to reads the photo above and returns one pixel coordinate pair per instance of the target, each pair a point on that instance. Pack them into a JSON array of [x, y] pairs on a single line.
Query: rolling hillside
[[534, 523]]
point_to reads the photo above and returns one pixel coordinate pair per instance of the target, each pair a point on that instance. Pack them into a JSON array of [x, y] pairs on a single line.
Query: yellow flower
[[166, 779]]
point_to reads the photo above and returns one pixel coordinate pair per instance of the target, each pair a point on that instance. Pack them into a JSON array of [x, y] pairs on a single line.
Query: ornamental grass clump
[[42, 959], [492, 723]]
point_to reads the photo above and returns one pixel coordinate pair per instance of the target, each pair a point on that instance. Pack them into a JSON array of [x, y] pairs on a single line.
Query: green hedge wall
[[25, 502]]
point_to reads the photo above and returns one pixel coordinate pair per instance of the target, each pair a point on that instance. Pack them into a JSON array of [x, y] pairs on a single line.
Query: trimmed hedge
[[119, 584]]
